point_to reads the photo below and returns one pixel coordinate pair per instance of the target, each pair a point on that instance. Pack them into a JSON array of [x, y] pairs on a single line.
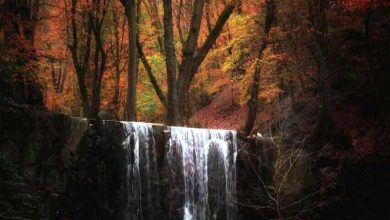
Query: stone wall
[[75, 169], [32, 169]]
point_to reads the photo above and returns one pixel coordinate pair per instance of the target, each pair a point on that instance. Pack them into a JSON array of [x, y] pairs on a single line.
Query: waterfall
[[208, 157], [141, 178], [196, 181]]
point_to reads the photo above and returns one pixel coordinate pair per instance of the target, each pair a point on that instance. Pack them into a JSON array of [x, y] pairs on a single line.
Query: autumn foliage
[[315, 73]]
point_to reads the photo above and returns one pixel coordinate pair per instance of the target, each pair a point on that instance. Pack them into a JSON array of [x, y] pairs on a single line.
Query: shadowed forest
[[305, 83]]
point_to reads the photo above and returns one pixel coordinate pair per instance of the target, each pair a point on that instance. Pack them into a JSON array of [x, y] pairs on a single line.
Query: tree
[[58, 76], [81, 58], [116, 50], [179, 76], [270, 10], [171, 63], [152, 9], [100, 60], [86, 25], [131, 14]]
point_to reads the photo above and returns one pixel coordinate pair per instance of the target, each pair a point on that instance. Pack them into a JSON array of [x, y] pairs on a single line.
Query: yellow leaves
[[268, 92], [239, 24], [269, 89], [230, 62], [246, 82]]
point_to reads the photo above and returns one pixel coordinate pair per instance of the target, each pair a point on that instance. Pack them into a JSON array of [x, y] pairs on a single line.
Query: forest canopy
[[174, 61], [304, 84]]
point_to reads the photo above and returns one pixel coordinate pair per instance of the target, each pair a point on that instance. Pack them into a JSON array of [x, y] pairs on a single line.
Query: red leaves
[[362, 5]]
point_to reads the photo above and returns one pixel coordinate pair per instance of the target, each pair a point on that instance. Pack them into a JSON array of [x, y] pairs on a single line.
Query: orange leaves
[[274, 57], [50, 36], [270, 93]]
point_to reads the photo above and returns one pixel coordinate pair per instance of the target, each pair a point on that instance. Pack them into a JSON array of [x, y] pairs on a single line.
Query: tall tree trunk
[[171, 64], [131, 105], [116, 53], [100, 66], [188, 57], [80, 59], [179, 83], [252, 103], [83, 92], [94, 18], [193, 58], [202, 52]]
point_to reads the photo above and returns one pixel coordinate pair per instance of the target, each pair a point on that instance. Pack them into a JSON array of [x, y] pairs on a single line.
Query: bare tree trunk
[[131, 107], [171, 64], [179, 81], [193, 58], [188, 57], [83, 93], [94, 19], [253, 101], [202, 52], [100, 66], [116, 53]]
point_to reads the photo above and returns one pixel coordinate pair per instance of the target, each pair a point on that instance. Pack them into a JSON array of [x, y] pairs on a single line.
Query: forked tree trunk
[[188, 57], [80, 58], [81, 50], [192, 58], [179, 81]]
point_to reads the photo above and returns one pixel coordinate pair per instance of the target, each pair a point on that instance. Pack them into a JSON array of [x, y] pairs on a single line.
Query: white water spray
[[195, 146], [140, 149]]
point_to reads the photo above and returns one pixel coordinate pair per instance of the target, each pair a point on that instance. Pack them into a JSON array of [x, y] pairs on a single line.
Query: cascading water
[[141, 178], [209, 190], [153, 172], [197, 179]]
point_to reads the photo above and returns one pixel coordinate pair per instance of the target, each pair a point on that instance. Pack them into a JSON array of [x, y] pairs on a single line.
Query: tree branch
[[211, 38], [149, 71]]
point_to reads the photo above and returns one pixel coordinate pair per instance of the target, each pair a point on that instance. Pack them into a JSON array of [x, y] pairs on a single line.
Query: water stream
[[141, 171], [201, 164], [208, 162]]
